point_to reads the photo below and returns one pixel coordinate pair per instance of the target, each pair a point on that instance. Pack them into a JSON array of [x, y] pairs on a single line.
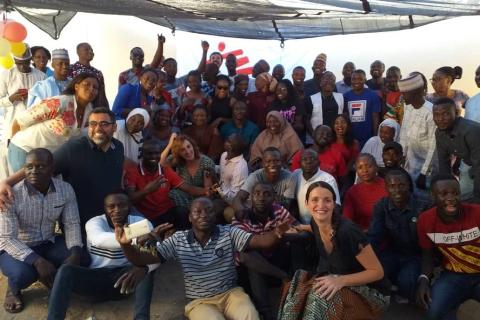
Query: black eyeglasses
[[222, 88], [102, 124]]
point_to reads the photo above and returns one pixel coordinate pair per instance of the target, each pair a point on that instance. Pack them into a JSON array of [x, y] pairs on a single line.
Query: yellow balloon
[[4, 47], [7, 61], [17, 48]]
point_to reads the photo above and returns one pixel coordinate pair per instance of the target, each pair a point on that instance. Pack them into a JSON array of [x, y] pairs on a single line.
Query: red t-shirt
[[360, 200], [331, 161], [348, 153], [157, 202], [458, 242]]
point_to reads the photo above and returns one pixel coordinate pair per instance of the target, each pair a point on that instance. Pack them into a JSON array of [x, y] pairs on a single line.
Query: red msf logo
[[241, 59]]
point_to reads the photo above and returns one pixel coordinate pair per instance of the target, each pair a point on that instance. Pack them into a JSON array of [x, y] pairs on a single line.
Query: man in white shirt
[[14, 86], [417, 135], [233, 168], [309, 173], [110, 273]]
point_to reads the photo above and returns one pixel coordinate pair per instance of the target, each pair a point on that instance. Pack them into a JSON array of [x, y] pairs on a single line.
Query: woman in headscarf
[[129, 132], [389, 130], [206, 136], [279, 134]]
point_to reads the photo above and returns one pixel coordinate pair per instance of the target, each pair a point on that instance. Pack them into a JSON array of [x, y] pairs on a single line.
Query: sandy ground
[[167, 303]]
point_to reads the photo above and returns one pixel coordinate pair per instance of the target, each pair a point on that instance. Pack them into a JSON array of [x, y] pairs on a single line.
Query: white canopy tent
[[254, 19]]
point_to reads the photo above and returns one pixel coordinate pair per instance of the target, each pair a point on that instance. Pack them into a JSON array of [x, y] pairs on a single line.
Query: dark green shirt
[[463, 141]]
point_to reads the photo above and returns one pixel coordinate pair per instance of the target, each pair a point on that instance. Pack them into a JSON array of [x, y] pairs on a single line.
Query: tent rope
[[282, 39]]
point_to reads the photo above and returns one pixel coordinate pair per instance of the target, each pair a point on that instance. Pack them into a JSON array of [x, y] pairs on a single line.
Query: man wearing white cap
[[417, 135], [319, 66], [54, 85], [14, 86]]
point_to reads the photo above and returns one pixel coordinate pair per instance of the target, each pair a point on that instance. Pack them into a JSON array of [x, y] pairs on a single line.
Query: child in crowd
[[361, 197]]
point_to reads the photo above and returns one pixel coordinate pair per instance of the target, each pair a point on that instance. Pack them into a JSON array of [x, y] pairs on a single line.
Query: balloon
[[221, 46], [17, 48], [14, 31], [2, 25], [4, 47], [7, 61]]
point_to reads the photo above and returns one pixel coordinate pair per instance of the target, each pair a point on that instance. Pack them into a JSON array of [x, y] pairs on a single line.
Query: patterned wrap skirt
[[299, 301]]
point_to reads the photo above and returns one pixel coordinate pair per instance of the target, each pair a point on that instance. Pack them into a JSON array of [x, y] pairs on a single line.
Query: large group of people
[[345, 194]]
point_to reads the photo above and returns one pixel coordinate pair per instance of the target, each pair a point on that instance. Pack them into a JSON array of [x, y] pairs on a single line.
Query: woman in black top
[[346, 265]]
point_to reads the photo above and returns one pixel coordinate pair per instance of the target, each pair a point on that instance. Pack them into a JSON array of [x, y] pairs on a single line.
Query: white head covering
[[142, 112], [411, 83], [131, 142], [374, 145]]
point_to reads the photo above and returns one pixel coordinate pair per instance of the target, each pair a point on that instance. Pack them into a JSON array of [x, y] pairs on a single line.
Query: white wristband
[[424, 276]]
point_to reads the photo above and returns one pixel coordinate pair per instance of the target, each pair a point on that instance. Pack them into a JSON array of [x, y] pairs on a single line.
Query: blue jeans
[[449, 291], [21, 274], [96, 284], [403, 271], [16, 157]]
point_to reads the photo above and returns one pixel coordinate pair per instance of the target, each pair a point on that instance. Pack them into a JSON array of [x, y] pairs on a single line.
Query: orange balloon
[[14, 31]]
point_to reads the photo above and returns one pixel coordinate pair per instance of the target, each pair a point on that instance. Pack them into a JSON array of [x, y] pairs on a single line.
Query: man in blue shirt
[[240, 124], [363, 106]]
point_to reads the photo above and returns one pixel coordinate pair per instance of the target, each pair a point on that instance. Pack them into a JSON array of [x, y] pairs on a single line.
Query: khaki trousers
[[233, 304]]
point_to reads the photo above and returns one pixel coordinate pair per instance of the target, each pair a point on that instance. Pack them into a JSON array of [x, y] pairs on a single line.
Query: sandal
[[13, 302]]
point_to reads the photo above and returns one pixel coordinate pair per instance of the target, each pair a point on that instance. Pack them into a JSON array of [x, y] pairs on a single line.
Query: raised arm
[[157, 58], [131, 253], [203, 61]]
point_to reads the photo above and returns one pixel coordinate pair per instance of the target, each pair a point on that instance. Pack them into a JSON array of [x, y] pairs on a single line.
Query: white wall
[[452, 42]]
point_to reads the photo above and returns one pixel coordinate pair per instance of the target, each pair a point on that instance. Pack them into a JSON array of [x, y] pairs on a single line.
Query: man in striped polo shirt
[[264, 216], [206, 253]]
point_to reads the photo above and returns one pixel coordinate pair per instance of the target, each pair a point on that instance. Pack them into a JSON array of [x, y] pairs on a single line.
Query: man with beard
[[54, 85], [452, 228], [14, 86], [271, 173], [206, 255], [312, 86], [92, 164], [345, 85], [137, 57], [29, 248], [393, 233], [148, 185], [458, 137], [377, 82]]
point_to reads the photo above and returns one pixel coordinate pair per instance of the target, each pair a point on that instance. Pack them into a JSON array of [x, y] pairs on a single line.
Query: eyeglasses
[[102, 124], [222, 88]]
